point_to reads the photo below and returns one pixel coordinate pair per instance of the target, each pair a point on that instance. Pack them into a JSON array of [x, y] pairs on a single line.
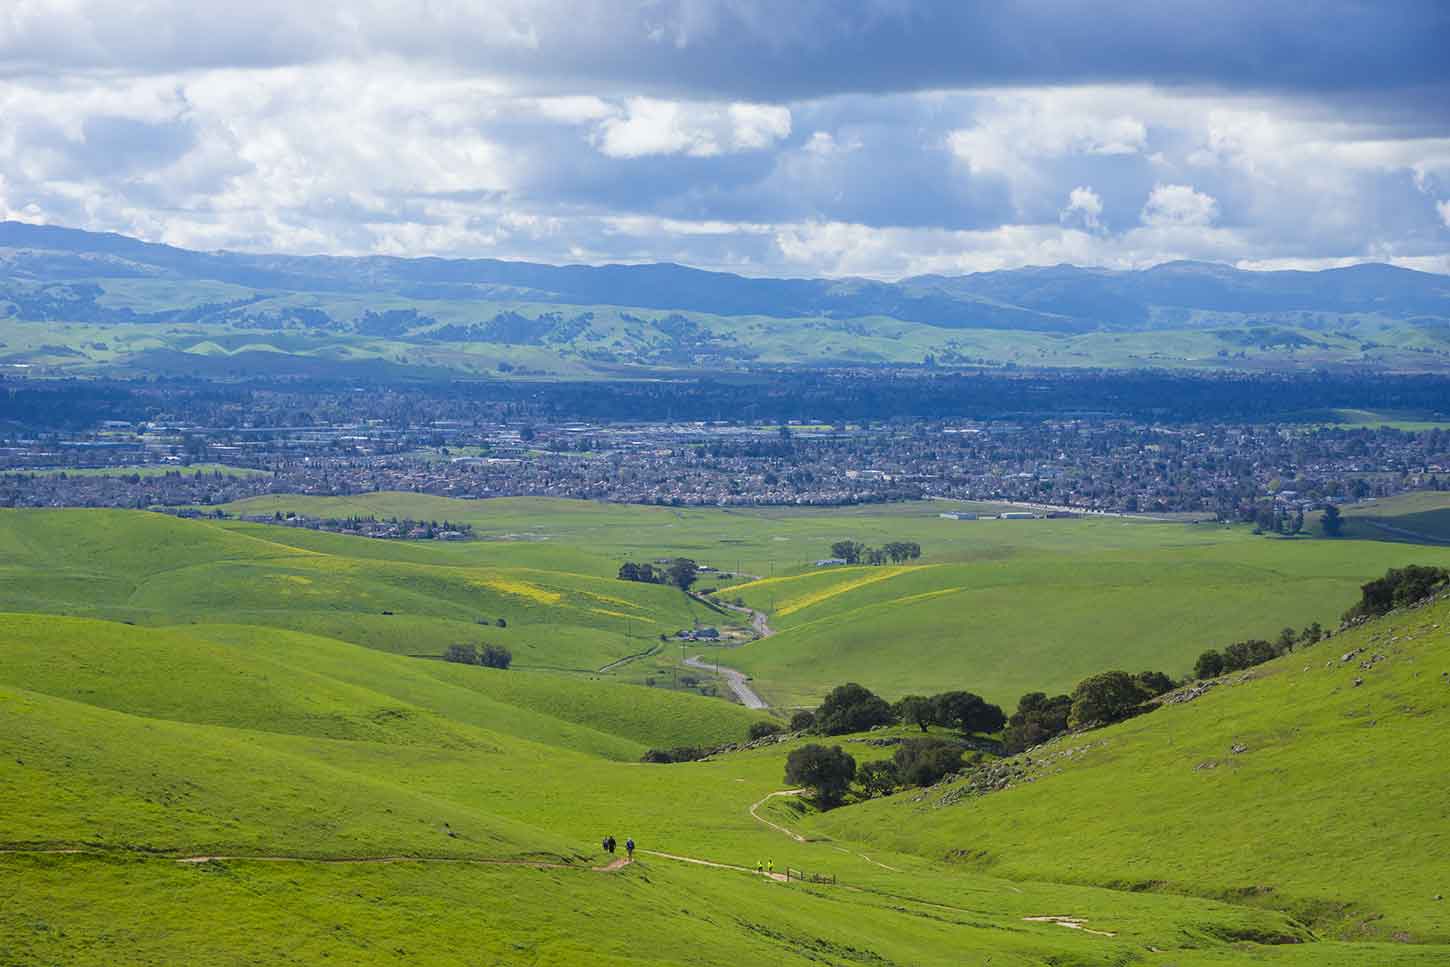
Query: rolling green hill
[[77, 301], [210, 785], [1307, 784]]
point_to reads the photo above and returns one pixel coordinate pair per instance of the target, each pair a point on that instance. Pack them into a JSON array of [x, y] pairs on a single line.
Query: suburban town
[[1217, 471]]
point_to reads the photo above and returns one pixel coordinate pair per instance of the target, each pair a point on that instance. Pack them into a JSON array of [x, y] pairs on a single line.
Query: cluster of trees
[[1253, 651], [680, 572], [1400, 587], [1097, 700], [489, 656], [965, 711], [854, 552]]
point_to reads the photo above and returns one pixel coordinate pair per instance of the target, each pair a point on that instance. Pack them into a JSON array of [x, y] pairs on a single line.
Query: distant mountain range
[[1060, 298], [54, 274]]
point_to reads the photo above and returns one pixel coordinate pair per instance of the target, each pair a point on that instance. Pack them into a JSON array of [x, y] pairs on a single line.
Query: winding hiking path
[[738, 681], [761, 819]]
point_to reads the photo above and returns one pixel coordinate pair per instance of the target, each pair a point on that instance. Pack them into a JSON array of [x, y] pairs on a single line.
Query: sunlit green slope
[[1315, 784]]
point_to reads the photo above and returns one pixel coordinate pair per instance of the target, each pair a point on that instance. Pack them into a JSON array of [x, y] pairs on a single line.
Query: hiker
[[759, 867], [629, 848], [770, 867], [604, 844], [609, 845]]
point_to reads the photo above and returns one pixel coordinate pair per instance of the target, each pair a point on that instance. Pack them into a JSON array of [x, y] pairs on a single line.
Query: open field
[[134, 747], [1417, 518], [970, 611]]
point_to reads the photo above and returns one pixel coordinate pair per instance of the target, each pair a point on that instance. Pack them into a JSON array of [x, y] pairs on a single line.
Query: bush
[[462, 654], [683, 753], [1209, 665], [968, 712], [877, 778], [1103, 698], [1037, 719], [826, 771], [851, 708], [1247, 654], [803, 721], [496, 656], [1397, 589], [921, 762], [759, 730], [1153, 684]]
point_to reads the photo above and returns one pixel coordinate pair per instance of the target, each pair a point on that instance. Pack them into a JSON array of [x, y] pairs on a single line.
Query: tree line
[[489, 656], [855, 552], [680, 572]]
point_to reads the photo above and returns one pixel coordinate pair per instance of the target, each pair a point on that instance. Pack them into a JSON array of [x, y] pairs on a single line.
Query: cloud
[[1444, 209], [1178, 206], [878, 137], [1084, 208], [650, 127], [763, 50]]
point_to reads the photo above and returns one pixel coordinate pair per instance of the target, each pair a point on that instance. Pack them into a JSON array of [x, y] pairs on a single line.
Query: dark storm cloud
[[784, 51]]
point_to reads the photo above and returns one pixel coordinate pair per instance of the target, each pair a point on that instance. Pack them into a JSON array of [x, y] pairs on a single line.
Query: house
[[831, 562], [958, 515], [1017, 515]]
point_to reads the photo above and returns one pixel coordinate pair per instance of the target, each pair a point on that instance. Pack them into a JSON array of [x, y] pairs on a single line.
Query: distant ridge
[[1062, 298]]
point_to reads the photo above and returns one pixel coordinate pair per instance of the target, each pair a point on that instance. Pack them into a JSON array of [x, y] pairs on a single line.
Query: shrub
[[1103, 698], [462, 654], [1397, 589], [826, 771], [803, 721], [968, 712], [1153, 684], [921, 762], [496, 656], [683, 753], [759, 730], [1037, 719], [1210, 664], [852, 708], [877, 778], [1247, 654]]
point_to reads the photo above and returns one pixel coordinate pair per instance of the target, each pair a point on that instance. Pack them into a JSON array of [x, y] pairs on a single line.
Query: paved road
[[738, 682]]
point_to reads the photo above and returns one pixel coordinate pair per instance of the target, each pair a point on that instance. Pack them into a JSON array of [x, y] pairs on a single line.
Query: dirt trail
[[779, 877], [759, 818]]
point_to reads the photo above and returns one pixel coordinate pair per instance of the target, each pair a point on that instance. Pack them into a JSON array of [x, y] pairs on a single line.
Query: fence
[[805, 877]]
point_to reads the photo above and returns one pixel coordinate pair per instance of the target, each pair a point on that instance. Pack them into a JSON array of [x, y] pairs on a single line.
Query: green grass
[[1332, 809], [235, 719]]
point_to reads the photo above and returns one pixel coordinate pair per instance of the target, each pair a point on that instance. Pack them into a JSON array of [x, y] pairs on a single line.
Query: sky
[[880, 138]]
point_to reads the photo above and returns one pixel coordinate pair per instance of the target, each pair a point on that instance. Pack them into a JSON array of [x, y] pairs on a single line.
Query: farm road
[[737, 680]]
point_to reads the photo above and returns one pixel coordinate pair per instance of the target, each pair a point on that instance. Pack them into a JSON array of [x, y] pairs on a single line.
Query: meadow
[[190, 774], [972, 611]]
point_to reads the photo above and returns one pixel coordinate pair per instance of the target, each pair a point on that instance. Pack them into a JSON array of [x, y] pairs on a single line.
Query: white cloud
[[650, 126], [1084, 207], [1178, 206], [1444, 209], [1015, 129]]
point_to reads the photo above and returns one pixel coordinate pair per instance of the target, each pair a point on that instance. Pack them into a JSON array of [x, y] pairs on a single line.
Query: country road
[[738, 681]]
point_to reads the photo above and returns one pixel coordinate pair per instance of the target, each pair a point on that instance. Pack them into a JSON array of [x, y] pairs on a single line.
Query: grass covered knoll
[[1312, 784], [153, 569]]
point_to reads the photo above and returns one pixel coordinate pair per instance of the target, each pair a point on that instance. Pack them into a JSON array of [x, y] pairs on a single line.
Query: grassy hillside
[[971, 611], [1307, 785], [381, 808], [137, 746]]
